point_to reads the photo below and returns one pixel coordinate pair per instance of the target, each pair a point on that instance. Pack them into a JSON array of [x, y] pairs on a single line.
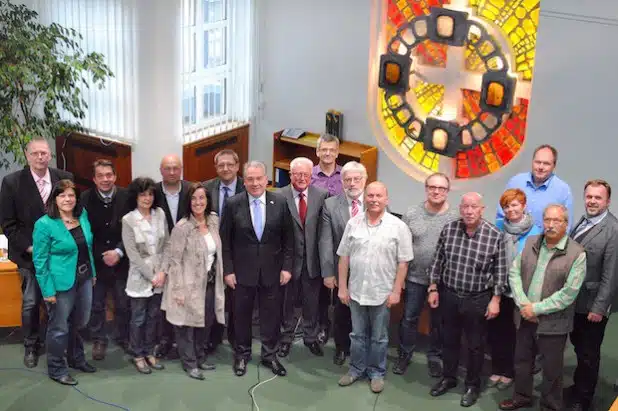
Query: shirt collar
[[231, 186], [546, 183], [261, 198], [320, 172], [46, 177], [359, 200], [108, 195], [297, 193], [597, 219], [560, 245], [168, 194]]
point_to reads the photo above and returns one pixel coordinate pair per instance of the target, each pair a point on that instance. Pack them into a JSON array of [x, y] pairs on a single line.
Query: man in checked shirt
[[467, 278]]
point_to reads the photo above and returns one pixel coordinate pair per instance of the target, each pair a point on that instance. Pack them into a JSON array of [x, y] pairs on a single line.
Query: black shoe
[[323, 337], [240, 367], [401, 366], [315, 348], [206, 366], [65, 380], [85, 367], [442, 387], [469, 398], [195, 373], [275, 367], [434, 368], [339, 357], [284, 350], [31, 359]]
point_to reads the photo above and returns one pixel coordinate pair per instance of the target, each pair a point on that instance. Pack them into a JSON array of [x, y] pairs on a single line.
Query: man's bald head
[[377, 185], [376, 198], [171, 169]]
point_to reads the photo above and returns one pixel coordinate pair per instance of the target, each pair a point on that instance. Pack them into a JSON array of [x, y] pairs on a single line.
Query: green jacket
[[54, 253]]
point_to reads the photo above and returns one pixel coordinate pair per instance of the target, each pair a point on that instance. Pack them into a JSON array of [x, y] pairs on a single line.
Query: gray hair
[[353, 166], [327, 138], [298, 161], [438, 174], [560, 207], [253, 164]]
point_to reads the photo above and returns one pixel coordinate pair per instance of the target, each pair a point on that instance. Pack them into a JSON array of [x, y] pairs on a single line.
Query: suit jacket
[[106, 223], [161, 201], [601, 245], [335, 216], [306, 239], [55, 253], [257, 261], [20, 207], [213, 186]]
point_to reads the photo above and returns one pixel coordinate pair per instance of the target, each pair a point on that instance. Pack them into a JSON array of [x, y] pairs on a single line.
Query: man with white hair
[[467, 278], [335, 215], [305, 203]]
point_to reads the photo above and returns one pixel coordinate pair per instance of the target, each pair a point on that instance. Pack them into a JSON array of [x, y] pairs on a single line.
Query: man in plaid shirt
[[467, 278]]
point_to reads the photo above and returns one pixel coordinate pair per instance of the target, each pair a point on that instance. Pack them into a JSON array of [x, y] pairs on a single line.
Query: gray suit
[[601, 245], [306, 279]]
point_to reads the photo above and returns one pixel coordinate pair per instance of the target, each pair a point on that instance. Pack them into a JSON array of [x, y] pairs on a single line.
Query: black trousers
[[193, 341], [587, 338], [303, 291], [501, 334], [31, 325], [122, 311], [218, 330], [551, 347], [464, 313], [324, 303], [145, 316], [269, 305]]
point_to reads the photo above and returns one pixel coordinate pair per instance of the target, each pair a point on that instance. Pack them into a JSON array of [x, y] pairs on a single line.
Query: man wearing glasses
[[545, 279], [425, 221]]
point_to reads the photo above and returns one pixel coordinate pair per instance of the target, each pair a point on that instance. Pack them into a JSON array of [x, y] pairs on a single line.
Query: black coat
[[161, 201]]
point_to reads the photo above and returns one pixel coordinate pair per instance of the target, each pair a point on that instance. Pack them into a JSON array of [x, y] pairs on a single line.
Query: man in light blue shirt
[[541, 186]]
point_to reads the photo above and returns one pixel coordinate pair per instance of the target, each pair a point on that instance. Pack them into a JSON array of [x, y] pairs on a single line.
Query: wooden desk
[[10, 295]]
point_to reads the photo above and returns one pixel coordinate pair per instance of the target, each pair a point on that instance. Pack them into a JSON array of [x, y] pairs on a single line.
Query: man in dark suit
[[171, 196], [305, 203], [22, 202], [226, 184], [597, 232], [106, 204], [258, 254], [335, 215]]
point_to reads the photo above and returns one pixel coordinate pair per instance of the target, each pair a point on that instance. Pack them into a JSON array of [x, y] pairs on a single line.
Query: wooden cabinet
[[10, 295], [286, 149]]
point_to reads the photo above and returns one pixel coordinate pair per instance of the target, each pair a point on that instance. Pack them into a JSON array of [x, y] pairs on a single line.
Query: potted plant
[[43, 71]]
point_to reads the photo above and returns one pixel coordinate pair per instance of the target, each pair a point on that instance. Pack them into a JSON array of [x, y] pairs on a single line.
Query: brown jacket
[[186, 260]]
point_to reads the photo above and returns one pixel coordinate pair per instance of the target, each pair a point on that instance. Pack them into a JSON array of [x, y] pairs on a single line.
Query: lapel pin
[[272, 202]]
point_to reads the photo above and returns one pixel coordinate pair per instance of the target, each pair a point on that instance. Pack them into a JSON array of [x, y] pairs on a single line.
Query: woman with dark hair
[[517, 226], [144, 235], [194, 295], [64, 265]]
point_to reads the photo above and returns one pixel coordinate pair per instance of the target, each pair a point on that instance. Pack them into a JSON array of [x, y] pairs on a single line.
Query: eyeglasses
[[437, 189], [301, 175], [352, 179], [554, 220]]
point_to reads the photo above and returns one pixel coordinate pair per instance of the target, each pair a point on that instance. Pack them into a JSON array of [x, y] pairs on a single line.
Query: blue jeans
[[369, 340], [145, 317], [67, 317], [414, 302]]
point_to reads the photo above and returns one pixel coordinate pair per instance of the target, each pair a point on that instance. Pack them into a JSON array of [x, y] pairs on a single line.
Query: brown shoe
[[154, 363], [142, 365], [509, 405], [98, 351]]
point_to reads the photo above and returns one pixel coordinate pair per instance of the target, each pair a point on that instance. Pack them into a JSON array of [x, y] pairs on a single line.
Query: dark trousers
[[551, 347], [501, 338], [269, 305], [303, 291], [145, 316], [33, 330], [342, 317], [414, 302], [324, 303], [122, 311], [464, 313], [587, 338], [193, 341], [67, 317], [218, 330]]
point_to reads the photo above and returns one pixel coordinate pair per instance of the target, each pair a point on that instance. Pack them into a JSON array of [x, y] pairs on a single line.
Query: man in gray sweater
[[425, 221]]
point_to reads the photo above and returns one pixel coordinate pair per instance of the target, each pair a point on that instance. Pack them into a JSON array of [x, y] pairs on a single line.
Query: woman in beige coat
[[194, 297]]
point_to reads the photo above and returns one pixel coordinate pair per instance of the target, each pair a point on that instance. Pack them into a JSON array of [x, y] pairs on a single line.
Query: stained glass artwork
[[513, 23]]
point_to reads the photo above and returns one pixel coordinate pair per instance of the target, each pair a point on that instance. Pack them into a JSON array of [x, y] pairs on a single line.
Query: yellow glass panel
[[417, 153], [427, 162], [529, 27], [510, 24], [520, 13]]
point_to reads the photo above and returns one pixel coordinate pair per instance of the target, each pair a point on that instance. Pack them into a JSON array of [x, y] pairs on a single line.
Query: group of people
[[184, 262]]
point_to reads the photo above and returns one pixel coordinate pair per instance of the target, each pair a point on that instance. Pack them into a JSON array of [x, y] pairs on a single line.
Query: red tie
[[302, 207], [354, 207]]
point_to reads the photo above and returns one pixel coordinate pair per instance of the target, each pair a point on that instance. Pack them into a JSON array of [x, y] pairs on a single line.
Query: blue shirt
[[552, 191], [231, 192]]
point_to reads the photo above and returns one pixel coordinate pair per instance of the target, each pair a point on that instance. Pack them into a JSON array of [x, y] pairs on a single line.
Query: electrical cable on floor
[[73, 386]]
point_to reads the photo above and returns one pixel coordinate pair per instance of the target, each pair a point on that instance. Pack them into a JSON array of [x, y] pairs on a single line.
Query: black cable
[[375, 404]]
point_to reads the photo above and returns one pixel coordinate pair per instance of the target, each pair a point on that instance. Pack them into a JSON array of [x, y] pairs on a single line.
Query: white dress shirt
[[297, 197]]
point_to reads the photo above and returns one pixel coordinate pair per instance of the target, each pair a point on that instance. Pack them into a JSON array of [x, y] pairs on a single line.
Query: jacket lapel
[[245, 207], [594, 231], [289, 196], [575, 226], [344, 213], [312, 208], [215, 196], [29, 182]]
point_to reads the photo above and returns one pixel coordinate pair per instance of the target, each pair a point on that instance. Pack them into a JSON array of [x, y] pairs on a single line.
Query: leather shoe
[[31, 359], [442, 387], [508, 405], [468, 399], [98, 351], [284, 350], [315, 349], [195, 373], [206, 366], [276, 367], [85, 367], [401, 366], [339, 357], [240, 367], [65, 380]]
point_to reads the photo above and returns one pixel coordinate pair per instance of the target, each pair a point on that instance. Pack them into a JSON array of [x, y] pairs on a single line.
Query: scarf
[[513, 232]]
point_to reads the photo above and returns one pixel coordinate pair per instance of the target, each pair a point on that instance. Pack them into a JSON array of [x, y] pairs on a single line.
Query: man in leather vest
[[545, 280]]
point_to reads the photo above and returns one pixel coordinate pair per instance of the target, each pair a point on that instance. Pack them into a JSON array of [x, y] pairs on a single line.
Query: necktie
[[302, 207], [42, 185], [107, 199], [354, 207], [226, 194], [582, 228], [257, 219]]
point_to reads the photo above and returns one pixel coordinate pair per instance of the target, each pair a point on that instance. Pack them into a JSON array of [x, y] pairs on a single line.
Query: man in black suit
[[22, 202], [258, 254], [171, 196], [106, 204], [226, 184]]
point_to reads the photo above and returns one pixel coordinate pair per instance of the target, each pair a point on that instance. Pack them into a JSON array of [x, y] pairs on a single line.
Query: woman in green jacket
[[64, 265]]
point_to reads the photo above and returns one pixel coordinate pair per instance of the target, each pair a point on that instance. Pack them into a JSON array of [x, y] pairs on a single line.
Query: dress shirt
[[587, 223], [297, 197], [172, 201], [262, 200], [333, 183], [231, 192], [359, 200], [46, 178]]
